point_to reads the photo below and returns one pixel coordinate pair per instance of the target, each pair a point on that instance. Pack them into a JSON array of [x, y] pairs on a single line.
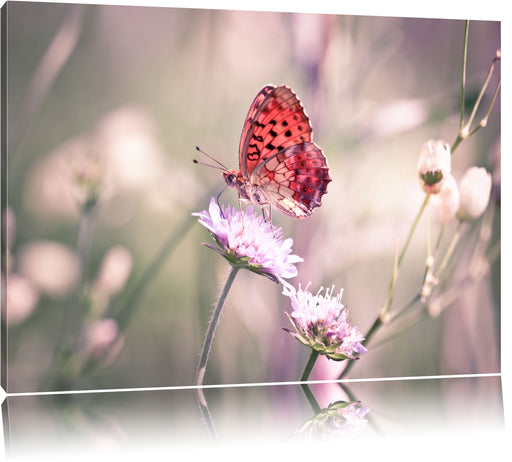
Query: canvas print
[[201, 197]]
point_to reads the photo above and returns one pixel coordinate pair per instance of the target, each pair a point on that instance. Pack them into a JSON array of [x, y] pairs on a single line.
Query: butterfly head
[[230, 177], [233, 178], [236, 180]]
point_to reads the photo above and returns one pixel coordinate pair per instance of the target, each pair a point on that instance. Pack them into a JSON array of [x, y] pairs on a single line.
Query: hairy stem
[[203, 360]]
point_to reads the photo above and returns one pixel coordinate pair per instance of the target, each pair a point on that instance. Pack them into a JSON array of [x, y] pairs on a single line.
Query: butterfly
[[279, 163]]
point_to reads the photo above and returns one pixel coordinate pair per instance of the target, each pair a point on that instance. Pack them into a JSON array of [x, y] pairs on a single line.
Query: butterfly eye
[[230, 178]]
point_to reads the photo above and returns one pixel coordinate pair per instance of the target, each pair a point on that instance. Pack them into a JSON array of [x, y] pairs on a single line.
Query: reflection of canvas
[[409, 413], [107, 283]]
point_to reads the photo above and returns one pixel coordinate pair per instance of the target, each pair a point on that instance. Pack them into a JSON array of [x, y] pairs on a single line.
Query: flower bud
[[114, 271], [103, 339], [447, 201], [434, 165], [22, 298], [475, 190], [87, 175], [51, 267]]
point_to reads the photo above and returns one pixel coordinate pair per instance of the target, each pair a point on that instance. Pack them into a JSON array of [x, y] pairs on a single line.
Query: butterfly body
[[280, 165]]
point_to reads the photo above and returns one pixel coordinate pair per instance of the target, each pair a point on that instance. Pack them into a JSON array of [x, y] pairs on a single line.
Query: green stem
[[429, 240], [460, 136], [449, 251], [464, 129], [414, 318], [405, 308], [413, 228], [205, 412], [429, 267], [62, 369], [456, 143], [371, 332], [480, 96], [379, 321], [351, 397], [483, 122], [463, 78], [391, 290], [311, 398], [201, 368], [309, 366], [125, 307]]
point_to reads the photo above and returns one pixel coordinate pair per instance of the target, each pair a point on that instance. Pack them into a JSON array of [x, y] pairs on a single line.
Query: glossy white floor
[[408, 417]]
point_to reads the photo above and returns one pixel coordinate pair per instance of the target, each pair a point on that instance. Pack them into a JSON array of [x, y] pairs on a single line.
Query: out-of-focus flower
[[398, 116], [114, 271], [51, 186], [434, 165], [21, 298], [246, 240], [496, 172], [87, 179], [133, 154], [310, 43], [475, 190], [339, 420], [121, 154], [103, 340], [50, 266], [321, 323], [446, 202]]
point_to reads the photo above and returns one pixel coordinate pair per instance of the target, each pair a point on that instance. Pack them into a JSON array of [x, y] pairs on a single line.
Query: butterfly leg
[[241, 212], [269, 218]]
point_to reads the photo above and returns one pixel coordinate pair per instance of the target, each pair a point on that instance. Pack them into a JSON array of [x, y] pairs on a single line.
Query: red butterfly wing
[[295, 179], [276, 120], [279, 163]]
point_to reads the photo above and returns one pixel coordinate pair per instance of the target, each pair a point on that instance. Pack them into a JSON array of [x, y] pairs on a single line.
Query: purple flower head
[[340, 419], [321, 322], [246, 240]]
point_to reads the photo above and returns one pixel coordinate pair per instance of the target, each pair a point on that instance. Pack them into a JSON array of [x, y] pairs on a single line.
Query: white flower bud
[[434, 165], [475, 190], [446, 202]]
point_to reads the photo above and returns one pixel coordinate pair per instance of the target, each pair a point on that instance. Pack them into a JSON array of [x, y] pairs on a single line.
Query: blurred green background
[[122, 95]]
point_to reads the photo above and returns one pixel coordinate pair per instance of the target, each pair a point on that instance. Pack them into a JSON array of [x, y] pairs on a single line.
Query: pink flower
[[103, 339], [321, 323], [246, 240], [114, 271]]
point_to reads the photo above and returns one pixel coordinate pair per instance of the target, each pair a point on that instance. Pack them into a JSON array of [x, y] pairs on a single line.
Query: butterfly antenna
[[219, 165]]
